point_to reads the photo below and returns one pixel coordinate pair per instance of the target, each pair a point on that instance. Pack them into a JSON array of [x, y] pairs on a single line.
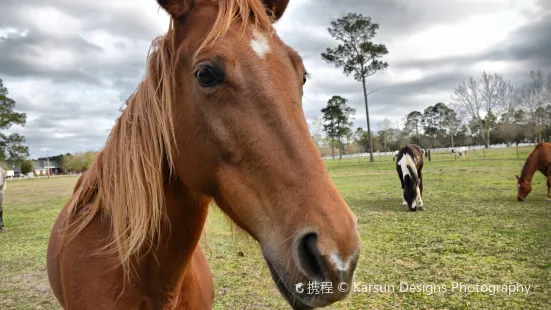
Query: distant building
[[42, 167], [14, 172]]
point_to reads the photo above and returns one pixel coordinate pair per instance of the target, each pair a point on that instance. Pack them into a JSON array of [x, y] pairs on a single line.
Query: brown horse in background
[[539, 159], [218, 117]]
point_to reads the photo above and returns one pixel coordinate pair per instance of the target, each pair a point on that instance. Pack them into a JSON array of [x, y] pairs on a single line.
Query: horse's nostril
[[310, 257]]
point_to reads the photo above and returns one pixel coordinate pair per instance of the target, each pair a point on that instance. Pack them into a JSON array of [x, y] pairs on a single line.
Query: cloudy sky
[[71, 64]]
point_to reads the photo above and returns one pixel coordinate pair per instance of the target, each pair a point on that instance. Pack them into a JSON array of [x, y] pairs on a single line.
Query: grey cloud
[[395, 17], [21, 56], [127, 22], [103, 80], [529, 43]]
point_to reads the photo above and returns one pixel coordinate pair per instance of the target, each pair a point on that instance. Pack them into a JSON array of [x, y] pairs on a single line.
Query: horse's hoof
[[547, 200], [421, 208], [3, 229]]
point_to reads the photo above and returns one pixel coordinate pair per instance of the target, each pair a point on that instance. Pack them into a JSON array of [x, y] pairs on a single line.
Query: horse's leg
[[420, 192], [2, 228], [195, 290], [548, 189], [420, 174], [1, 222], [400, 176]]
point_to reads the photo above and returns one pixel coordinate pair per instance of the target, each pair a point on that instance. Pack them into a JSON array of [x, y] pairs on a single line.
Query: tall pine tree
[[11, 146]]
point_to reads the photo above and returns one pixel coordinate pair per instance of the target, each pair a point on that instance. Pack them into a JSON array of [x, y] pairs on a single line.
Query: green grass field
[[473, 231]]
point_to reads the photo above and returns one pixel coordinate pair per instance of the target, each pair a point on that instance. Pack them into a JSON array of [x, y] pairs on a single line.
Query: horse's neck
[[186, 214], [530, 166]]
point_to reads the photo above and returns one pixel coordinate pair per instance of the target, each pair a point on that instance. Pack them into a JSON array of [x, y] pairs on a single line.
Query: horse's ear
[[518, 178], [275, 8], [176, 8]]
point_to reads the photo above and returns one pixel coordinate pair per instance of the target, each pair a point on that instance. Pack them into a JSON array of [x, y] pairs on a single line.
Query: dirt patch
[[38, 282]]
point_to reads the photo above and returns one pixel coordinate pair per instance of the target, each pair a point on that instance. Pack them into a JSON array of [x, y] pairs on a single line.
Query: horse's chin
[[296, 302], [412, 206]]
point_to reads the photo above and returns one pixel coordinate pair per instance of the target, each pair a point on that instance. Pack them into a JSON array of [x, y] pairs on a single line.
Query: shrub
[[27, 166]]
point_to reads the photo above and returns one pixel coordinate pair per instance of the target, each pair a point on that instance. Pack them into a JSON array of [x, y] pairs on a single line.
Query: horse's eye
[[304, 78], [207, 76]]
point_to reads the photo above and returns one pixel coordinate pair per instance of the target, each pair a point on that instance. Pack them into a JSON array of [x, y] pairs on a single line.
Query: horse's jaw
[[296, 291], [295, 302]]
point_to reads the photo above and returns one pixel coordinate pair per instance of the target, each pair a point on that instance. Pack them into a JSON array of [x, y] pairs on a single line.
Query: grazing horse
[[218, 117], [3, 185], [462, 151], [409, 165], [539, 159]]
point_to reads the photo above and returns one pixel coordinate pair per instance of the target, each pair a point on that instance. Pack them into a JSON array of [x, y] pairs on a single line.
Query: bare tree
[[384, 132], [533, 94], [548, 89], [508, 97], [467, 100], [492, 84], [481, 96], [315, 125]]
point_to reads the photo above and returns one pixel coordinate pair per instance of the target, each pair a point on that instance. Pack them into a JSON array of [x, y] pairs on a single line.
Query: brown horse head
[[524, 188], [241, 138]]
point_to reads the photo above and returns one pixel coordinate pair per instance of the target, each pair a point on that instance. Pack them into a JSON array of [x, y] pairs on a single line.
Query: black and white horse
[[409, 164]]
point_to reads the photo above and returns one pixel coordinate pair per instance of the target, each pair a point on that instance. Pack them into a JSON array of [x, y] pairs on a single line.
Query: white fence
[[24, 177], [442, 149]]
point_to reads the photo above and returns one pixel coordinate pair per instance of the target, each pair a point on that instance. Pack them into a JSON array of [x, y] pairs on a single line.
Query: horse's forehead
[[260, 44]]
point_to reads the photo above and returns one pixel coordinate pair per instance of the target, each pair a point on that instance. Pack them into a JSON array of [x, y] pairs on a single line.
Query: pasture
[[473, 231]]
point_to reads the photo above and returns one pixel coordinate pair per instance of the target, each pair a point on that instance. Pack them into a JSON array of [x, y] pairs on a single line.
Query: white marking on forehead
[[404, 166], [343, 266], [260, 45]]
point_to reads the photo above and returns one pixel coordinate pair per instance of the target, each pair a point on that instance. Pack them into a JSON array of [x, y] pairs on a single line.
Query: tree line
[[12, 148], [484, 110], [78, 162]]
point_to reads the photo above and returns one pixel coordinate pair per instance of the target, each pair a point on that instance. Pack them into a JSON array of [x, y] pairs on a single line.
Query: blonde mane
[[125, 183]]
